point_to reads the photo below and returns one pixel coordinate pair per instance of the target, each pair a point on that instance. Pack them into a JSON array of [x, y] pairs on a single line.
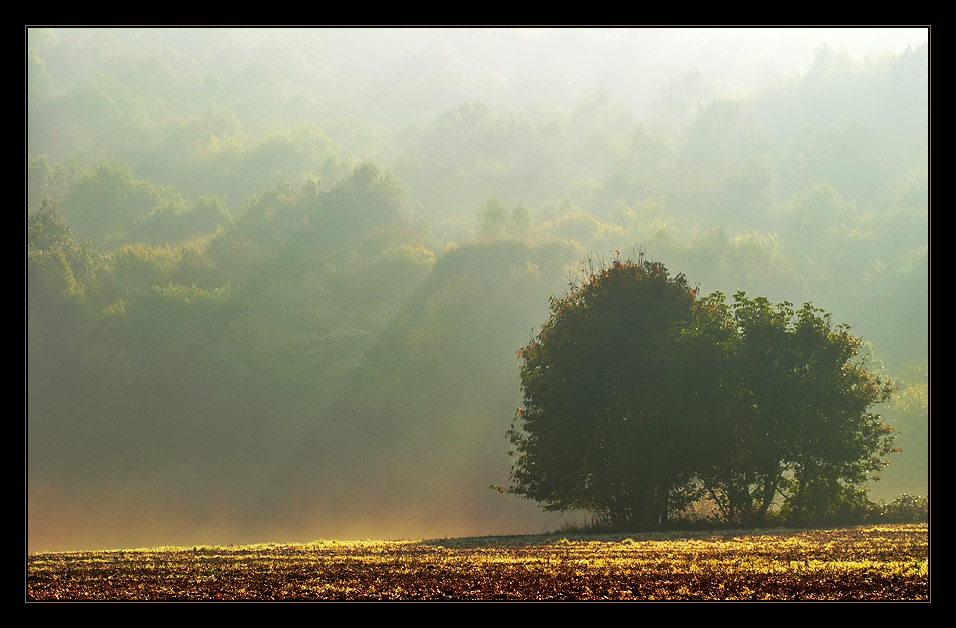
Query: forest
[[276, 279]]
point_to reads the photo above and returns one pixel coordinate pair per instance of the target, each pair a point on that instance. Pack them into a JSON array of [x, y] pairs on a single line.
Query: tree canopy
[[640, 397]]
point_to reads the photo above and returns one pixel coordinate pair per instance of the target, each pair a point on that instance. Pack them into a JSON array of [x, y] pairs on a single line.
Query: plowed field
[[863, 563]]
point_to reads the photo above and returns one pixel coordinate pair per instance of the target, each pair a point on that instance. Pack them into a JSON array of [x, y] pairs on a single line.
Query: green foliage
[[174, 221], [905, 508], [804, 431], [59, 272], [584, 228], [105, 203], [594, 433], [640, 398], [495, 222]]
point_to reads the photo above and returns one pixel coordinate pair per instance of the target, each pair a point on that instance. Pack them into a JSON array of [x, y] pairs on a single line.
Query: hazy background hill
[[276, 279]]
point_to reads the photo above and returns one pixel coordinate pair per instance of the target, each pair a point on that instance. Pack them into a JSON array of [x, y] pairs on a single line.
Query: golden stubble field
[[885, 562]]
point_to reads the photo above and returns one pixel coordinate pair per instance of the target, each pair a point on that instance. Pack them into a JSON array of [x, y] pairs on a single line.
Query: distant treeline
[[238, 285]]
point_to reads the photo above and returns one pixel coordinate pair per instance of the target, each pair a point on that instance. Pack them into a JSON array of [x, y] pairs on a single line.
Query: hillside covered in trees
[[275, 287]]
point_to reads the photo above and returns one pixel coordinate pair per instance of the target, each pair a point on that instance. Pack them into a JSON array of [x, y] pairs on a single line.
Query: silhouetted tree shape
[[639, 398]]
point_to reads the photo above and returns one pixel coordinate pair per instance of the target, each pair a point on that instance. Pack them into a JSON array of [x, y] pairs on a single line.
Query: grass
[[887, 562]]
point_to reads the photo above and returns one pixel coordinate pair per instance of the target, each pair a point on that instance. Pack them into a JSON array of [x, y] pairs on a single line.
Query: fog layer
[[277, 279]]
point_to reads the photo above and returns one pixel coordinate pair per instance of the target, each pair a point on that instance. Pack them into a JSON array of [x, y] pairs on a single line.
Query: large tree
[[638, 396], [594, 433], [810, 437]]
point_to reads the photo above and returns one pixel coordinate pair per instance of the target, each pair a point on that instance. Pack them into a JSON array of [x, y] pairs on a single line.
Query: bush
[[904, 509]]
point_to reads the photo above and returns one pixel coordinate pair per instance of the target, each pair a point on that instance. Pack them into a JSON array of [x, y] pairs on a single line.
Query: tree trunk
[[769, 490]]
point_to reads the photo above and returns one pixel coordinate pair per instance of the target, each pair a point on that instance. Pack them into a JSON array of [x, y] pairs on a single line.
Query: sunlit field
[[887, 562], [284, 284]]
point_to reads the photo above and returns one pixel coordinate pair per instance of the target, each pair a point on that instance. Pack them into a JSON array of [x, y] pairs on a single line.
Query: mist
[[277, 278]]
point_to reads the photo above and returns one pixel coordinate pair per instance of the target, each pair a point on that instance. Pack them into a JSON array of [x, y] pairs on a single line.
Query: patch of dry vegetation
[[864, 563]]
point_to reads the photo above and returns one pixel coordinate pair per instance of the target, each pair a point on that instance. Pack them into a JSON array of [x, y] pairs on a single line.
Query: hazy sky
[[741, 57], [522, 65]]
